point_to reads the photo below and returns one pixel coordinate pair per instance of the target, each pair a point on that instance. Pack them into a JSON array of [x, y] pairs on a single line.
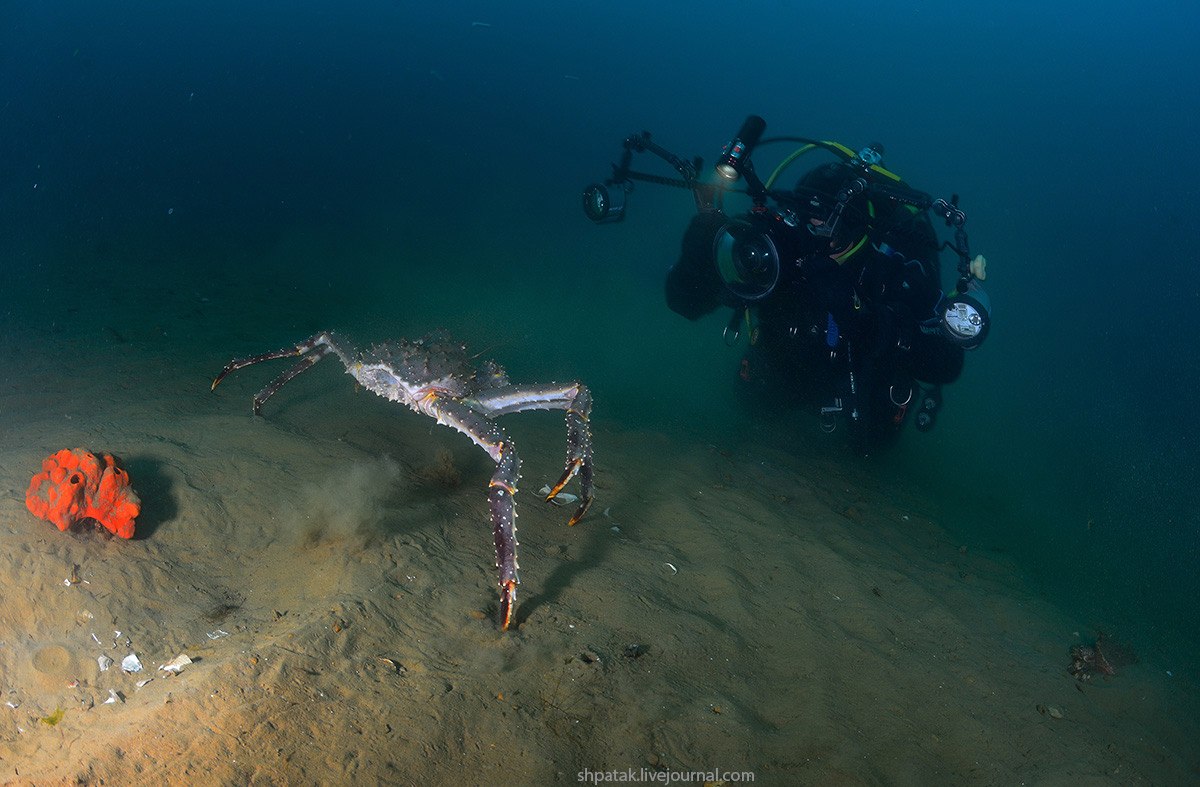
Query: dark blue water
[[387, 165]]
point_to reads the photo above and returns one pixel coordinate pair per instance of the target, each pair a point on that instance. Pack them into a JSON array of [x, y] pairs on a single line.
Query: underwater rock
[[1100, 658]]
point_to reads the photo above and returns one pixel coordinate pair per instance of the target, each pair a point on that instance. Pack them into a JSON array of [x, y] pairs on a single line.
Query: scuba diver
[[835, 281]]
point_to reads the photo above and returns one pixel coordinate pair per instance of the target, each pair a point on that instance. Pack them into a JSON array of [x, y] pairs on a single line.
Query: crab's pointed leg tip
[[578, 515], [508, 601], [217, 380], [569, 473]]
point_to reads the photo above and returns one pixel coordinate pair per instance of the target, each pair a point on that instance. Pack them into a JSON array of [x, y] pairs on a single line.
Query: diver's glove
[[694, 285], [979, 267], [696, 255]]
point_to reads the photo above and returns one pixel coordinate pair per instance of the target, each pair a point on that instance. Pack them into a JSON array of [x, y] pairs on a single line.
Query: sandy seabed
[[329, 571]]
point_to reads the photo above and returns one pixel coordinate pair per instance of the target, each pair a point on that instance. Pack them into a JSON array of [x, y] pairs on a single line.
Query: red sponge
[[75, 485]]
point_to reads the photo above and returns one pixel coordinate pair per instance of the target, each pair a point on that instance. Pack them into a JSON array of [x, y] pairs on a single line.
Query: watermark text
[[664, 776]]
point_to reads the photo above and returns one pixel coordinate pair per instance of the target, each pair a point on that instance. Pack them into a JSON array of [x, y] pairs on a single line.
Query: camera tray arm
[[947, 210], [708, 195], [704, 194], [955, 217]]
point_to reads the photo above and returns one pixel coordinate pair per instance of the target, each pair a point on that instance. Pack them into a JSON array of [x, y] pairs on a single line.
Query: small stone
[[1054, 712], [177, 664]]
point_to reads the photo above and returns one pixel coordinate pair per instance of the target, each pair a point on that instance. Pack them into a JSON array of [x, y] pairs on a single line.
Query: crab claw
[[508, 602]]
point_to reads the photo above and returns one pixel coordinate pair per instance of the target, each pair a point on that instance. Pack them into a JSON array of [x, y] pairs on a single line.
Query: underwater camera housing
[[747, 260], [747, 250]]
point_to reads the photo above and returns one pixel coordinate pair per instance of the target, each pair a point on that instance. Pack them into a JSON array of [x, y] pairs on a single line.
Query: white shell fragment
[[561, 499], [143, 682], [217, 634], [113, 697], [105, 662], [177, 664], [131, 663]]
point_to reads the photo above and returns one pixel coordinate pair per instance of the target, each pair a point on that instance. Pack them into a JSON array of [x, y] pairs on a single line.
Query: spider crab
[[435, 376]]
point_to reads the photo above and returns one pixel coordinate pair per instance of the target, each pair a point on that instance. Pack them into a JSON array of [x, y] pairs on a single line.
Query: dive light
[[966, 316], [734, 155]]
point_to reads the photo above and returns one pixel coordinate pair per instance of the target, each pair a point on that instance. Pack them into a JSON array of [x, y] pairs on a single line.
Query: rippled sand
[[725, 606]]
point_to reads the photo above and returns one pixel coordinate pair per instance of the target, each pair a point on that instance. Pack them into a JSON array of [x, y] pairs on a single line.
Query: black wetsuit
[[851, 331]]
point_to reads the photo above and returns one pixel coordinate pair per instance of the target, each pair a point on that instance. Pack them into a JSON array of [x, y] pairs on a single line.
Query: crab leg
[[311, 350], [577, 401], [389, 370], [501, 488]]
